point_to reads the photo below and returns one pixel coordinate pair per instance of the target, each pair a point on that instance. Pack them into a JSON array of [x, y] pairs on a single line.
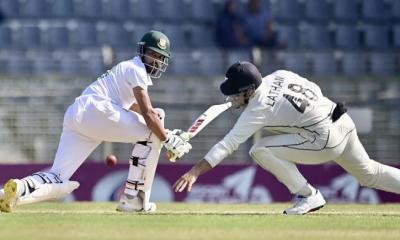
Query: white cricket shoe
[[305, 205], [10, 196], [130, 205], [135, 204]]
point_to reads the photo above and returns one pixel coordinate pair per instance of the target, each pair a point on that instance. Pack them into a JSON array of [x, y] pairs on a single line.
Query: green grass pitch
[[89, 220]]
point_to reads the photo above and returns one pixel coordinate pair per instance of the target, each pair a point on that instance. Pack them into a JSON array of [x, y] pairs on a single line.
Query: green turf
[[98, 221]]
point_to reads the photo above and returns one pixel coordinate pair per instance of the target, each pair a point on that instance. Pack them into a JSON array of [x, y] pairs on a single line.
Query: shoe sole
[[151, 209], [312, 210], [121, 209], [10, 192]]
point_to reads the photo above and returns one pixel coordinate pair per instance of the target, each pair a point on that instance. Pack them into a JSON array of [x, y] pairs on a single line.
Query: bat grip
[[171, 157]]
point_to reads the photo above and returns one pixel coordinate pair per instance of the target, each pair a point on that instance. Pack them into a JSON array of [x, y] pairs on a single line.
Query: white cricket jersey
[[284, 103], [117, 84]]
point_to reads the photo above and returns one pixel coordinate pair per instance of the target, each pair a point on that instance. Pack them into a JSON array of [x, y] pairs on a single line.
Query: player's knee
[[253, 151], [369, 176], [256, 148], [258, 152], [160, 112], [367, 180]]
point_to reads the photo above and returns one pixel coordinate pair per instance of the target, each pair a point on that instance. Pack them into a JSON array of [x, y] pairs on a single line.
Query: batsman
[[309, 129], [114, 108]]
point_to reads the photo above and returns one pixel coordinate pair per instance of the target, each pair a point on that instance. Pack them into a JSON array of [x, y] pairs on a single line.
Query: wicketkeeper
[[309, 129], [114, 108]]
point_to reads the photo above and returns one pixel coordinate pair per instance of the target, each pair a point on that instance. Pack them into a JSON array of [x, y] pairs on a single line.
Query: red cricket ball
[[111, 160]]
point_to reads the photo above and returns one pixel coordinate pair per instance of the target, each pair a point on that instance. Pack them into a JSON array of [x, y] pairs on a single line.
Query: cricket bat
[[203, 120]]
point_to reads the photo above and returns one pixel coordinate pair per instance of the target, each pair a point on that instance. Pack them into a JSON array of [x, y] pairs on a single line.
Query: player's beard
[[151, 69], [156, 67], [241, 100]]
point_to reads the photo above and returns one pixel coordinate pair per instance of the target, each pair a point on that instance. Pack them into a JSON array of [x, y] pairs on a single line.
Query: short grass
[[88, 220]]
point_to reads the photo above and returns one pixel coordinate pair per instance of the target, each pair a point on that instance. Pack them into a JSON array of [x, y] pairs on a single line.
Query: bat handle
[[171, 157], [186, 137]]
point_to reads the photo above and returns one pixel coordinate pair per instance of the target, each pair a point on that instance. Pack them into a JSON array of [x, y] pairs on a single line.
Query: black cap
[[240, 76]]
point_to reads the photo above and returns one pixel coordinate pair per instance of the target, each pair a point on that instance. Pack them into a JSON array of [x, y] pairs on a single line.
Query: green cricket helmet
[[157, 42]]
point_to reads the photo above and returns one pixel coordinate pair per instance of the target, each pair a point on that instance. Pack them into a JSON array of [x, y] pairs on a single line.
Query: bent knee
[[369, 176], [254, 149], [367, 180], [259, 151]]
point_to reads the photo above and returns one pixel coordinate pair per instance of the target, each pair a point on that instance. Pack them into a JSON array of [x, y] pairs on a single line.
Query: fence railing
[[31, 115]]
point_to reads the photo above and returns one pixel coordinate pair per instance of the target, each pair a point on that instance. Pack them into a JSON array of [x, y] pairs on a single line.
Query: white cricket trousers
[[89, 121], [278, 154]]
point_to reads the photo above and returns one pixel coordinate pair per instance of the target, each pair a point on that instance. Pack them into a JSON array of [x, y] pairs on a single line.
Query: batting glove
[[176, 146], [184, 135]]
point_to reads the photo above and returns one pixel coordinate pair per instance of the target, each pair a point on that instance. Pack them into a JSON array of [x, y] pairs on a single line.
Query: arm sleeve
[[247, 124], [134, 78]]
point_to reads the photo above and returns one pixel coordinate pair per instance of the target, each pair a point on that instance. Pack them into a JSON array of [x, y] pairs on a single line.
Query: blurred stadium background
[[51, 49]]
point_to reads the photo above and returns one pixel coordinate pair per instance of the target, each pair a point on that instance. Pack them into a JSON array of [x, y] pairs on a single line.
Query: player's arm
[[136, 108], [150, 116], [188, 179], [247, 124], [216, 154]]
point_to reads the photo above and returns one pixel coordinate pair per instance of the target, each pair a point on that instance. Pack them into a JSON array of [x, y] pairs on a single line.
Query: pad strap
[[137, 167]]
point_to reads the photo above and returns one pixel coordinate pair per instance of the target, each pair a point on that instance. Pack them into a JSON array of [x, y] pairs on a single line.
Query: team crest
[[162, 43]]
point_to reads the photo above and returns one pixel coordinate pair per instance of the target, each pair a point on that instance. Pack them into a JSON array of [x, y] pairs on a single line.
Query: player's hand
[[185, 136], [186, 181], [176, 145]]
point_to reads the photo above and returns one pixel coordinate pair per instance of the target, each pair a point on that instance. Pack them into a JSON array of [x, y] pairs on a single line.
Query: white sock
[[307, 190]]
